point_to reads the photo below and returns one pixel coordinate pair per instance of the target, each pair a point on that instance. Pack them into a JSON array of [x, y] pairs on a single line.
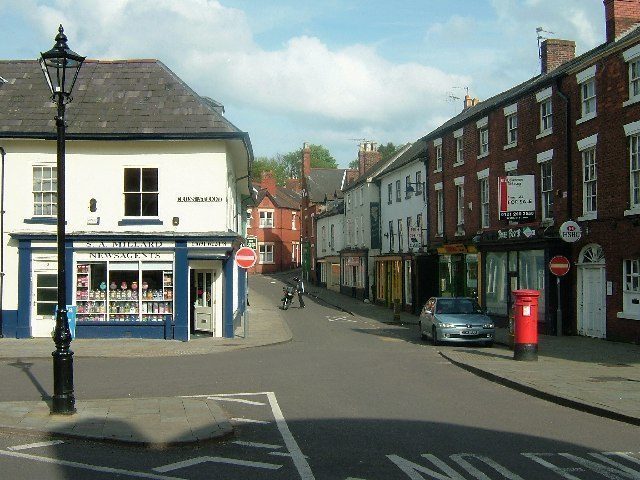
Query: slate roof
[[378, 168], [111, 99], [533, 84], [283, 198], [334, 207], [324, 183], [412, 152]]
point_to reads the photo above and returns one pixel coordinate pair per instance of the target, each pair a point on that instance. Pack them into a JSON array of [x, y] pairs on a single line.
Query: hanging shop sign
[[414, 237], [374, 215], [453, 248], [516, 197], [570, 231]]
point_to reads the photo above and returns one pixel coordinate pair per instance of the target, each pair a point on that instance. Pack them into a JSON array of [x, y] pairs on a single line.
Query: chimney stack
[[368, 156], [268, 182], [306, 159], [554, 52], [469, 102], [620, 16]]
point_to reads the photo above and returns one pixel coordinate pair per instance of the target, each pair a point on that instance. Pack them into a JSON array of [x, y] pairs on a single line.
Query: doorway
[[592, 309], [44, 297], [205, 297]]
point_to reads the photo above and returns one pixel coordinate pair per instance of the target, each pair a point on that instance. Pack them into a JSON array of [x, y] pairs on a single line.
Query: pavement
[[591, 375]]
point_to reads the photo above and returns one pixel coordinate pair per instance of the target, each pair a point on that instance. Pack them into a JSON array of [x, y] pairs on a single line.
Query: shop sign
[[124, 245], [125, 256], [516, 233], [570, 231], [453, 248], [209, 244], [374, 215], [353, 261], [516, 197]]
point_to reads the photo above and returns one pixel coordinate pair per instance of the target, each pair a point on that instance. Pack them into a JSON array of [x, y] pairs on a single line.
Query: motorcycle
[[288, 297]]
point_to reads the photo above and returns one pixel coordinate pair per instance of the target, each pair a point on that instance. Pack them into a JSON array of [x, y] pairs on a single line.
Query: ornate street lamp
[[61, 66]]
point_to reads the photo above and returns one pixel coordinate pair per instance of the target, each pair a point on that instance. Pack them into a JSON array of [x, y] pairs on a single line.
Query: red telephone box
[[526, 325]]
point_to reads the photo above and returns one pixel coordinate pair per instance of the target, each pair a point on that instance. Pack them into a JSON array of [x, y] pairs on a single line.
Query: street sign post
[[246, 257], [559, 266]]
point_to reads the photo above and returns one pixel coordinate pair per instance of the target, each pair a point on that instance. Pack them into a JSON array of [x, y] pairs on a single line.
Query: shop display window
[[124, 292]]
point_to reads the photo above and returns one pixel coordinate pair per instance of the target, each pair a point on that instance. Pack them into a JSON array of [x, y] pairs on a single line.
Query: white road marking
[[229, 461], [237, 400], [299, 459], [257, 445], [85, 466], [282, 454], [249, 420], [35, 445]]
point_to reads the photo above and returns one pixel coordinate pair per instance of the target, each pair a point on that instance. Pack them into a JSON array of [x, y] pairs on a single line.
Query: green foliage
[[289, 165], [389, 150], [354, 164]]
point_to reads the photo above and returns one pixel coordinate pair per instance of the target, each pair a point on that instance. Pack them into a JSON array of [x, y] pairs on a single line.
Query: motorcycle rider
[[300, 290]]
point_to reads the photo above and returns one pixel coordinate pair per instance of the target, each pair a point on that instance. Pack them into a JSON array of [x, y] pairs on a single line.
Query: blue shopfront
[[155, 286]]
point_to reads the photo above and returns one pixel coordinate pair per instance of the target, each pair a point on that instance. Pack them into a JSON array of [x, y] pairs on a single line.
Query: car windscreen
[[457, 306]]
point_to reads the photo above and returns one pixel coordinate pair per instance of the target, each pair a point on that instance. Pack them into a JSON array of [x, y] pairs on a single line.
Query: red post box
[[526, 325]]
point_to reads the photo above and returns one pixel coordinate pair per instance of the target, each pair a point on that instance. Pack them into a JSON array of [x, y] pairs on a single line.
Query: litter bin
[[526, 325]]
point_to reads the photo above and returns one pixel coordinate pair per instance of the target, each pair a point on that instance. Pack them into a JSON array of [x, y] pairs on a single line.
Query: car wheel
[[434, 337]]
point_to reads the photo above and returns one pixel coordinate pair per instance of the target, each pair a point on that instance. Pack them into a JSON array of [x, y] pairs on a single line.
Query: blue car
[[456, 320]]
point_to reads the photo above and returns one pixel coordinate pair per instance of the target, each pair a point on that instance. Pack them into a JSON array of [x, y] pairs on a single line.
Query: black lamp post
[[61, 66]]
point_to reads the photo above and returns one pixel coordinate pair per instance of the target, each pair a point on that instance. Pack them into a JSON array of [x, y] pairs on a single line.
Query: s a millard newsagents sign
[[517, 197]]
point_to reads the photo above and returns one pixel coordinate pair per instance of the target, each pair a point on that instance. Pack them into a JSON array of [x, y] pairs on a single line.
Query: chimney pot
[[306, 159]]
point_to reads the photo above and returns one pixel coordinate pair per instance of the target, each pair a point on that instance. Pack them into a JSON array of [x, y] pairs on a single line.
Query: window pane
[[47, 281], [132, 204], [44, 309], [47, 295], [149, 204], [149, 179], [131, 179]]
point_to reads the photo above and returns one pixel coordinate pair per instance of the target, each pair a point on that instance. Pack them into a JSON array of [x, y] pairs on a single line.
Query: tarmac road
[[347, 398]]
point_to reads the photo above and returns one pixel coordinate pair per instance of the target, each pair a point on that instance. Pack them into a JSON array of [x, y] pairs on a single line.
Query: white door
[[592, 310], [44, 299], [205, 303]]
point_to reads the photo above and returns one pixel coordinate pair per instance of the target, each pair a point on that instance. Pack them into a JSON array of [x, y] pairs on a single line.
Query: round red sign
[[559, 265], [246, 257]]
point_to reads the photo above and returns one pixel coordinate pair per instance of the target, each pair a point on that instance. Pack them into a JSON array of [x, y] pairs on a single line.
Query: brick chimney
[[620, 16], [294, 184], [306, 159], [269, 182], [469, 102], [368, 156], [554, 52]]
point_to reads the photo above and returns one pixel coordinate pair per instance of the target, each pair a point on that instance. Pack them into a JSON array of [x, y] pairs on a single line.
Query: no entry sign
[[559, 265], [246, 257]]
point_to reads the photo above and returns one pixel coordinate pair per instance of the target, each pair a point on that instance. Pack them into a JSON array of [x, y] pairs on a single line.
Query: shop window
[[124, 292], [496, 283], [141, 192], [45, 188], [531, 275], [408, 297]]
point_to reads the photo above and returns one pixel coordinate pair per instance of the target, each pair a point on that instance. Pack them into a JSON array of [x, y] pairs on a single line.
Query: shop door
[[592, 312], [45, 299], [205, 301]]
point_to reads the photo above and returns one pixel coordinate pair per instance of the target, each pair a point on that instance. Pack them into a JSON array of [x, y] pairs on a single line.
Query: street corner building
[[156, 184]]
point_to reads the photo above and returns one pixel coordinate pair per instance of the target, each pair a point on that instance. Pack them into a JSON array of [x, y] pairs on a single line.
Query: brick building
[[572, 134], [275, 222]]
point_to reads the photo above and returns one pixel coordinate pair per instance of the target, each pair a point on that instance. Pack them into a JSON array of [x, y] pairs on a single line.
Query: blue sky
[[326, 72]]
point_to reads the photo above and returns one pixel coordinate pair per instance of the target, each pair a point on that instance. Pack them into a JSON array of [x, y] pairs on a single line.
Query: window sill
[[140, 221], [460, 233], [41, 220], [546, 133], [483, 155], [547, 222], [510, 145], [586, 118], [266, 226], [457, 164], [588, 216], [438, 170], [631, 101], [632, 211], [628, 315]]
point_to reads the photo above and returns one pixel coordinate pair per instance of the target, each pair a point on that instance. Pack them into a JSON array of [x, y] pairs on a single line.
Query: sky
[[327, 72]]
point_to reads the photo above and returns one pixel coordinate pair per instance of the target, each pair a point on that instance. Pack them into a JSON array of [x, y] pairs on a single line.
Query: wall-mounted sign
[[200, 199], [124, 245], [209, 244], [452, 248], [414, 237], [516, 233], [517, 197], [570, 231], [252, 242]]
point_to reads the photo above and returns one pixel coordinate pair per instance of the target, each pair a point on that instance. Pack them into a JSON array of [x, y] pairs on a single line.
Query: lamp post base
[[63, 401]]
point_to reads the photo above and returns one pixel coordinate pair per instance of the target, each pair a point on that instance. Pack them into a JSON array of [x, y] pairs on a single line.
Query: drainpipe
[[567, 119], [2, 153]]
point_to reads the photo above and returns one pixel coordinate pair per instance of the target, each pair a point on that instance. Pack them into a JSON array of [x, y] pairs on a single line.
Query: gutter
[[3, 153]]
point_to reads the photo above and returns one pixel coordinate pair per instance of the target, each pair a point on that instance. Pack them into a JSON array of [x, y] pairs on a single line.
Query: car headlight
[[447, 325], [488, 325]]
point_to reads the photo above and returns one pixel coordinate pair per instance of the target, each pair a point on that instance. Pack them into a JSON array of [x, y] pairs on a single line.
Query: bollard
[[526, 325], [396, 310]]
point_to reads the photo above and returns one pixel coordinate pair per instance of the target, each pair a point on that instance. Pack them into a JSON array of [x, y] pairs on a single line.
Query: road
[[347, 399]]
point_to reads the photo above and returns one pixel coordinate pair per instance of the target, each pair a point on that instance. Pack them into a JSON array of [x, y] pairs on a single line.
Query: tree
[[389, 150], [354, 164], [265, 164], [320, 158]]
